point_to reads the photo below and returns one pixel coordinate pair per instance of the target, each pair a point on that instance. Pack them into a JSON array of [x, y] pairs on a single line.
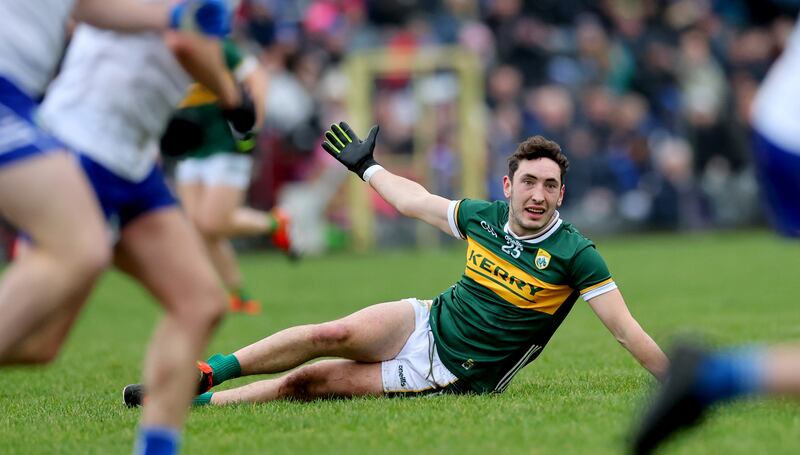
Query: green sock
[[272, 222], [241, 293], [225, 367], [203, 399]]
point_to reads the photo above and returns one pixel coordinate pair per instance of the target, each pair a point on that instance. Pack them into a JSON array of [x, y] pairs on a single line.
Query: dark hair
[[536, 147]]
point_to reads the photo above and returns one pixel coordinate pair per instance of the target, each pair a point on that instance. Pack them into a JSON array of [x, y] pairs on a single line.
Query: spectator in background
[[628, 74]]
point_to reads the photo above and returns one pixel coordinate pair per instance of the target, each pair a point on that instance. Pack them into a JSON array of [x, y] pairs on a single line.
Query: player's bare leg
[[373, 334], [782, 370], [210, 209], [162, 250], [217, 213], [335, 378], [49, 198]]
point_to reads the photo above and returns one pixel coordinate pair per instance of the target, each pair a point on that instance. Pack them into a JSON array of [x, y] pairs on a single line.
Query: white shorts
[[417, 369], [228, 169]]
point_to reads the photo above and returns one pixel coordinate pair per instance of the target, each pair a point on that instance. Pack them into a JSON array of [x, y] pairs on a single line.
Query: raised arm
[[610, 307], [408, 197], [411, 199]]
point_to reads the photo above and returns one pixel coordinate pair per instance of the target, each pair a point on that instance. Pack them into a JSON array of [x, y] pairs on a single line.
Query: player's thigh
[[378, 332], [218, 204], [49, 198], [163, 251], [190, 195]]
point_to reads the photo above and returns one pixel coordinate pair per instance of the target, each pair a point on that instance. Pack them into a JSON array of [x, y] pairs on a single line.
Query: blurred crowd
[[649, 99]]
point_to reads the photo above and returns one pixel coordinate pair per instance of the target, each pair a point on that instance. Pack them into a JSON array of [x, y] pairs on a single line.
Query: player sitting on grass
[[525, 268]]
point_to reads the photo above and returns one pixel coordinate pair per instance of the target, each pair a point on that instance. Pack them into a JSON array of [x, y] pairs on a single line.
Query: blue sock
[[157, 441], [730, 374]]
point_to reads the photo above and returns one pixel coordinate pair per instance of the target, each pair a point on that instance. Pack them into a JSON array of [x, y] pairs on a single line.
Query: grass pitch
[[579, 397]]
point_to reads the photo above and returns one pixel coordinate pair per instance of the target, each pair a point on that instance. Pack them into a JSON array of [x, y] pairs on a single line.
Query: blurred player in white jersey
[[44, 193], [114, 117], [699, 379], [68, 251]]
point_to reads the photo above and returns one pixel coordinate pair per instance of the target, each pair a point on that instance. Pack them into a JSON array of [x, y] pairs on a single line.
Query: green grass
[[579, 397]]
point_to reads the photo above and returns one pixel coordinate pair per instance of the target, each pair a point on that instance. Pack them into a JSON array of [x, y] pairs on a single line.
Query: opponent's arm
[[408, 197], [610, 307], [210, 17], [202, 58]]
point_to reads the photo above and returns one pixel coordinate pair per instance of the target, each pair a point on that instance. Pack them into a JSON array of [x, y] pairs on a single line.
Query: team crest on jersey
[[542, 259]]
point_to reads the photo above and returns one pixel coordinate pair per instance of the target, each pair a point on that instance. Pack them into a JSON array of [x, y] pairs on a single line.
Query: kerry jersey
[[513, 295]]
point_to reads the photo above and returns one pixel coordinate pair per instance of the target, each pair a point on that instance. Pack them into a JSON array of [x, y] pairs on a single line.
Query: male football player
[[42, 191], [525, 268], [213, 177], [111, 102]]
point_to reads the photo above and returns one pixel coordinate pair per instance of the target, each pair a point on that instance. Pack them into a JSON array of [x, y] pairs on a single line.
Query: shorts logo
[[542, 259], [403, 381], [468, 364]]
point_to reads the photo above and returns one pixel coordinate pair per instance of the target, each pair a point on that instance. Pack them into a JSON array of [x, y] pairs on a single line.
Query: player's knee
[[203, 312], [299, 384], [330, 334], [47, 355], [81, 256], [41, 354], [210, 227], [97, 258]]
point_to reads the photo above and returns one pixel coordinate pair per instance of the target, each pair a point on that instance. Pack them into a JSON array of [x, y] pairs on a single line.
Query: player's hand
[[242, 122], [181, 137], [342, 143], [209, 17]]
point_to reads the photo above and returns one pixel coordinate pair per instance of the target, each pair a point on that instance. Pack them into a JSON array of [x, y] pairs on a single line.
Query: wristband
[[371, 171]]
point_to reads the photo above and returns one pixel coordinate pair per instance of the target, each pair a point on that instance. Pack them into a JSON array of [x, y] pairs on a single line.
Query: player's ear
[[561, 195], [506, 186]]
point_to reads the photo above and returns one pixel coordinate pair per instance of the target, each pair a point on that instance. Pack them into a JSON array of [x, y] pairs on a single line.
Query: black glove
[[181, 137], [242, 121], [342, 143]]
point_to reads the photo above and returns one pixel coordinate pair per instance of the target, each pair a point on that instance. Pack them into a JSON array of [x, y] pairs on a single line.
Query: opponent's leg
[[48, 198], [337, 378], [162, 250]]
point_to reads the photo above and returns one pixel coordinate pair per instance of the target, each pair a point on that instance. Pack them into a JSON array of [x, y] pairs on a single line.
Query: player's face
[[534, 195]]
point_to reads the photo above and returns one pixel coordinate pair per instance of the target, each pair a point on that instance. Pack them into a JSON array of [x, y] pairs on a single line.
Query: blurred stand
[[650, 101]]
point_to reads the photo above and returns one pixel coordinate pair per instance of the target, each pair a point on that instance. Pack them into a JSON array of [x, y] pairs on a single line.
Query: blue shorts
[[122, 200], [20, 137], [779, 178]]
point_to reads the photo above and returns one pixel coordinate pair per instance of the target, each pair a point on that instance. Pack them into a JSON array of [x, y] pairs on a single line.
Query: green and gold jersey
[[514, 293], [200, 106]]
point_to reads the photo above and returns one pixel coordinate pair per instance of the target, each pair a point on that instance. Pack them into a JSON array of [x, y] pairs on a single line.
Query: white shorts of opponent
[[417, 368], [220, 169]]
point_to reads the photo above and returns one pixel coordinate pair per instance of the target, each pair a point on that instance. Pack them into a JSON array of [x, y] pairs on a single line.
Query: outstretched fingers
[[344, 131]]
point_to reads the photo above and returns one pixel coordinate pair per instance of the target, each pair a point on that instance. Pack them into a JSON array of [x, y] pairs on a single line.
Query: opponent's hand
[[209, 17], [342, 143], [242, 122]]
